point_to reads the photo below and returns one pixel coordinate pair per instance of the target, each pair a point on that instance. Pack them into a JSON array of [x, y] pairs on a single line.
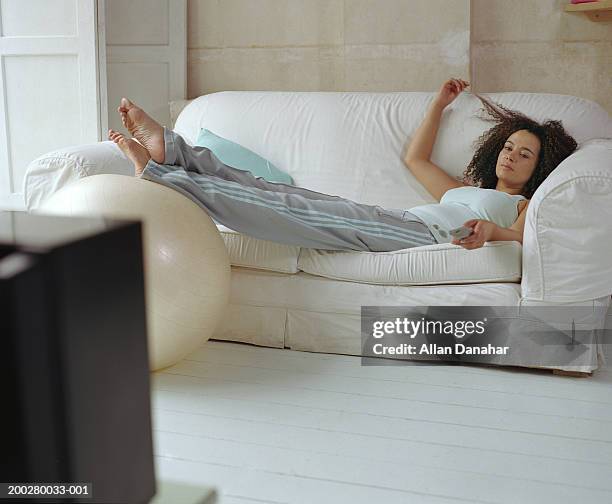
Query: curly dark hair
[[555, 145]]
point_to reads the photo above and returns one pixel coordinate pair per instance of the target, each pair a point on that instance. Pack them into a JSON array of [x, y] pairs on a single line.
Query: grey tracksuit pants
[[280, 212]]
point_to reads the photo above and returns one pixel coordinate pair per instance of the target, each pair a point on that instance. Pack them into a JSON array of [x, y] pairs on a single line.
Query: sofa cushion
[[428, 265], [50, 172], [250, 252], [241, 158]]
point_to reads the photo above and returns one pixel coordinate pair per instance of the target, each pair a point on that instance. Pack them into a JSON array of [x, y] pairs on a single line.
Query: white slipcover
[[429, 265], [351, 145]]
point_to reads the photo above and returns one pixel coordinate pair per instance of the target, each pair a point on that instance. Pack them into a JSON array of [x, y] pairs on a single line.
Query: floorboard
[[274, 425]]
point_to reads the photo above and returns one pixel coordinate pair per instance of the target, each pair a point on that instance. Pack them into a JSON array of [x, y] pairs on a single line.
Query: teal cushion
[[237, 156]]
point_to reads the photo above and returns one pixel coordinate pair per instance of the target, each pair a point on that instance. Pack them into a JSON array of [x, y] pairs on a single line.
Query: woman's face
[[517, 159]]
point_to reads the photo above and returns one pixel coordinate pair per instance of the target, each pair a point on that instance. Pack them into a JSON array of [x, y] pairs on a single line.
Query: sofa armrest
[[567, 242], [50, 172]]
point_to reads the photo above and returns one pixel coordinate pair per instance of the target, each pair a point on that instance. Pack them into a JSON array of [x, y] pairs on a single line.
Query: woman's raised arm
[[417, 157]]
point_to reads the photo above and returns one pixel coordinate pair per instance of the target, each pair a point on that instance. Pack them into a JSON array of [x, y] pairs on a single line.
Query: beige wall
[[328, 45], [534, 46], [395, 45]]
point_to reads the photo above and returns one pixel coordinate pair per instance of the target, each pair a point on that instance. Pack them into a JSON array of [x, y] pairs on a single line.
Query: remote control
[[460, 232]]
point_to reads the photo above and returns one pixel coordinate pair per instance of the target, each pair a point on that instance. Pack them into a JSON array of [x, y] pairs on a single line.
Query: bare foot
[[132, 149], [143, 128]]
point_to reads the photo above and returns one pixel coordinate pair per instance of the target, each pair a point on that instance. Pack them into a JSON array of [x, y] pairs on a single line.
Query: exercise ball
[[186, 265]]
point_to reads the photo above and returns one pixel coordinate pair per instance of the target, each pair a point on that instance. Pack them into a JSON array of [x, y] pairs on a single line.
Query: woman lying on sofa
[[511, 160]]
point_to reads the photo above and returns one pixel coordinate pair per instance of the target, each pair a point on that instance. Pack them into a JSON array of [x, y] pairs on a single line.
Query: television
[[74, 370]]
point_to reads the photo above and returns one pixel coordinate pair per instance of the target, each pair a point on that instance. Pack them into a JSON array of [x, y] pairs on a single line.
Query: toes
[[115, 136]]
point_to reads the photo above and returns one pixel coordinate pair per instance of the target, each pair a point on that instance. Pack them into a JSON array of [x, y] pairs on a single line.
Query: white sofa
[[351, 144]]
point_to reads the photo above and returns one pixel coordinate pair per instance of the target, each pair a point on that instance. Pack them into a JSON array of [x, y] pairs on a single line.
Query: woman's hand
[[482, 231], [449, 91]]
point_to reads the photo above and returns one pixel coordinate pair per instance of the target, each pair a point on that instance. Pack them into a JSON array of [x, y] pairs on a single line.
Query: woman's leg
[[290, 216], [265, 210]]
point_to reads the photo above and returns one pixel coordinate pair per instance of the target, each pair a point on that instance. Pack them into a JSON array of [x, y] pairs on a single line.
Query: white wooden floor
[[272, 425]]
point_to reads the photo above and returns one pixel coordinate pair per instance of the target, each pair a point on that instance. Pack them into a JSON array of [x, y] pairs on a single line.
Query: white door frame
[[101, 67], [84, 45]]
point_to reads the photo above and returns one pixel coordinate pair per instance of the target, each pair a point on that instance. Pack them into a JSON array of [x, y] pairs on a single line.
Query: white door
[[49, 84], [146, 52]]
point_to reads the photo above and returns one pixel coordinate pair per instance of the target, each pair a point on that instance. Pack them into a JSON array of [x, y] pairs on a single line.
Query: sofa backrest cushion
[[351, 144]]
